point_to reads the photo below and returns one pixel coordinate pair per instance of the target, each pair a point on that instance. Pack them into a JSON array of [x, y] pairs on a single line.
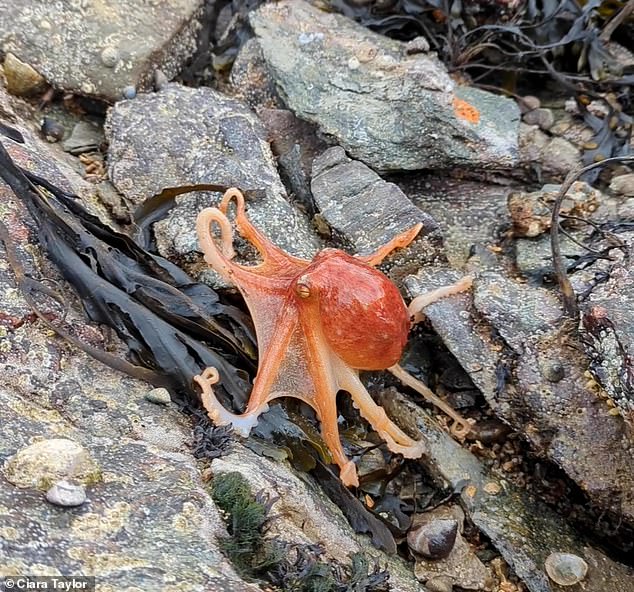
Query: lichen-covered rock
[[387, 107], [181, 136], [103, 46]]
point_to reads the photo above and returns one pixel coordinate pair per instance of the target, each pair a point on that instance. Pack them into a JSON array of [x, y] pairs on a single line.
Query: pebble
[[544, 118], [528, 103], [66, 494], [52, 130], [417, 45], [160, 396], [22, 79], [566, 569], [129, 92], [623, 185], [160, 80], [434, 540]]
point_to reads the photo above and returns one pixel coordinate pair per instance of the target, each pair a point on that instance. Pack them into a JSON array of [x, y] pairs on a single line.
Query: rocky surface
[[103, 46], [524, 358], [182, 136], [384, 105], [521, 528], [365, 212]]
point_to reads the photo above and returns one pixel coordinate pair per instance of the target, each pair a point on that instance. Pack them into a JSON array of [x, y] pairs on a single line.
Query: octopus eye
[[302, 289]]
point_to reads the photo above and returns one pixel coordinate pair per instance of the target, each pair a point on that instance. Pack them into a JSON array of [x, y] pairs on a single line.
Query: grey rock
[[564, 420], [149, 523], [623, 185], [85, 137], [560, 156], [183, 136], [529, 103], [391, 109], [250, 79], [543, 118], [365, 212], [103, 46], [470, 215], [608, 324], [522, 529], [67, 495], [22, 79]]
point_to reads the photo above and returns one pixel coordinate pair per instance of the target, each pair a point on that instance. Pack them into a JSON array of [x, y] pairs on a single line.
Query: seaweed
[[173, 327], [287, 566]]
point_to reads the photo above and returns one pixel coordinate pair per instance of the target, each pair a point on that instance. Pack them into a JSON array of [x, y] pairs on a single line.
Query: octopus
[[318, 324]]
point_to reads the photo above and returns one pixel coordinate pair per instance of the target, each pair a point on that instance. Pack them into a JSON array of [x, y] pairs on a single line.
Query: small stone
[[22, 79], [417, 45], [45, 462], [570, 106], [353, 63], [52, 130], [544, 118], [565, 569], [492, 488], [160, 80], [66, 494], [109, 57], [560, 156], [529, 103], [160, 396], [85, 137], [129, 92], [435, 539], [623, 185]]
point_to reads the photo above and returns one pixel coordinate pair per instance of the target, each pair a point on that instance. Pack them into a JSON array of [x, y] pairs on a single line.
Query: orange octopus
[[318, 323]]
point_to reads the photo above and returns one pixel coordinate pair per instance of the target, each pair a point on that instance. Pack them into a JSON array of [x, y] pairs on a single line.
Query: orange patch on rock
[[466, 111]]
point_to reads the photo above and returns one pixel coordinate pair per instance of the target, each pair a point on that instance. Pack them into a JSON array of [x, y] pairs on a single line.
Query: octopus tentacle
[[416, 306], [398, 242], [396, 439]]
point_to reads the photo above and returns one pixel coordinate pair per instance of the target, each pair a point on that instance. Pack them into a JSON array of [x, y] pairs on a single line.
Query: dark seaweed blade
[[12, 133], [81, 258], [152, 280]]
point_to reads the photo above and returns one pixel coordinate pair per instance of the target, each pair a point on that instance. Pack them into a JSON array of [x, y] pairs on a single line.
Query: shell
[[566, 569]]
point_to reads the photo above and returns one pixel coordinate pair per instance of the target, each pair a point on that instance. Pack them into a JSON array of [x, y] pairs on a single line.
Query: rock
[[66, 494], [529, 103], [433, 536], [52, 130], [103, 46], [560, 156], [160, 396], [85, 137], [523, 530], [469, 214], [142, 485], [183, 136], [543, 118], [563, 420], [295, 143], [389, 108], [43, 463], [365, 212], [22, 79], [608, 325], [250, 79], [623, 185]]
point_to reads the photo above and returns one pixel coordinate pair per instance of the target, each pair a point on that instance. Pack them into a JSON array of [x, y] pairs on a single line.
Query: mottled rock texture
[[389, 108], [100, 47]]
